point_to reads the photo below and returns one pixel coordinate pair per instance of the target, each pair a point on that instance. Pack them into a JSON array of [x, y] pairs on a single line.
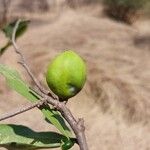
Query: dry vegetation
[[116, 99]]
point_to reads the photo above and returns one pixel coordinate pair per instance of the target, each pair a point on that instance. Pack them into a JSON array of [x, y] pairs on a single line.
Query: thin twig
[[76, 125], [21, 110], [23, 62]]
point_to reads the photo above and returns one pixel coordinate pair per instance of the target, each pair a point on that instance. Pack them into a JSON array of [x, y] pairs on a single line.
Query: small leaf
[[56, 119], [2, 50], [22, 137], [67, 144], [15, 82], [8, 29]]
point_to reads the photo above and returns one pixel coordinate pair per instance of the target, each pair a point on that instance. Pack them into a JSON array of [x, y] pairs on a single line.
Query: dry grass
[[115, 101]]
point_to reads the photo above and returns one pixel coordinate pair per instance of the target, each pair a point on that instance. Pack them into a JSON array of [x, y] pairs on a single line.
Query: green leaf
[[67, 144], [2, 50], [56, 119], [22, 137], [8, 29], [15, 82]]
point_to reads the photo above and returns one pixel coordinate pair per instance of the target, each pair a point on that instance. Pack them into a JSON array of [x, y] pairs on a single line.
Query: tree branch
[[76, 125], [21, 110], [23, 62]]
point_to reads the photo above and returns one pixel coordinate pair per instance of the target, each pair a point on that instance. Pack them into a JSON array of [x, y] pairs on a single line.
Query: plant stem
[[23, 62], [21, 110]]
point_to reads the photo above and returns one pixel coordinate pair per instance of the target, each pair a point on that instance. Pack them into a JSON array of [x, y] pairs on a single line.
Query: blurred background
[[113, 37]]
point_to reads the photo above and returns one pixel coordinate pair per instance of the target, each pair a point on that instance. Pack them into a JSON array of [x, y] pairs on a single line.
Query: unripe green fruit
[[66, 74]]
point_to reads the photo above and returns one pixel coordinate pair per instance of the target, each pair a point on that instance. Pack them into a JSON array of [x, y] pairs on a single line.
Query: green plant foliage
[[2, 50], [15, 82], [8, 31], [67, 144], [56, 119], [21, 137]]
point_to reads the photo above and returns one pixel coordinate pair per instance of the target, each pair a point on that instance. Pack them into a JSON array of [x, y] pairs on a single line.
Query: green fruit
[[66, 74]]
